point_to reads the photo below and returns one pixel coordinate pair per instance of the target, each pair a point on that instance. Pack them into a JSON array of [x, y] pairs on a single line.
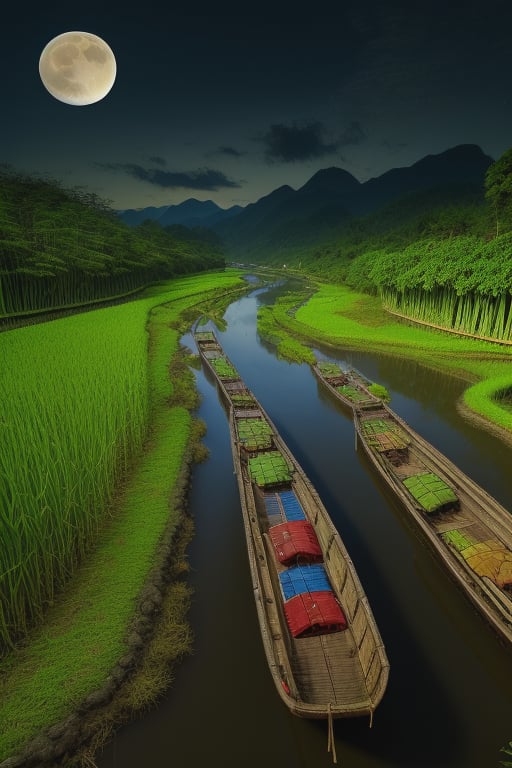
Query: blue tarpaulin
[[304, 578], [283, 505], [291, 506]]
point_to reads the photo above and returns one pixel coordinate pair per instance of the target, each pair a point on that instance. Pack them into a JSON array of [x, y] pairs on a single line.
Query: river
[[449, 698]]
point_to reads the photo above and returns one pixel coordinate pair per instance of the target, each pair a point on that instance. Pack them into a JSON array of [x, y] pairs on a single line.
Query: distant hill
[[288, 218], [190, 213], [332, 199], [463, 164]]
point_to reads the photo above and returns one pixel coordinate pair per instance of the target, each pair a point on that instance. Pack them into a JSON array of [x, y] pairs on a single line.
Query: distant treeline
[[61, 248], [443, 256], [463, 283]]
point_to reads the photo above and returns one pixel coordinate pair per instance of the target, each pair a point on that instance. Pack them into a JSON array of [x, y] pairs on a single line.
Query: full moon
[[77, 68]]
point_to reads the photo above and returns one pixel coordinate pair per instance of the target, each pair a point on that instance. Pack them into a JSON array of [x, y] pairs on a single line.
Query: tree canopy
[[61, 247], [498, 187]]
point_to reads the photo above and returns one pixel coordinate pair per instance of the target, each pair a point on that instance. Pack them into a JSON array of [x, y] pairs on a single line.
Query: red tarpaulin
[[293, 539], [314, 613]]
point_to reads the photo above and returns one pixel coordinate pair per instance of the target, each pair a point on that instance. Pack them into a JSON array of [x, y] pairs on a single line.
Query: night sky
[[230, 102]]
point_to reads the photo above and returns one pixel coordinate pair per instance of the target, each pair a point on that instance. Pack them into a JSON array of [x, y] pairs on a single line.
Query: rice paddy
[[77, 392], [75, 406]]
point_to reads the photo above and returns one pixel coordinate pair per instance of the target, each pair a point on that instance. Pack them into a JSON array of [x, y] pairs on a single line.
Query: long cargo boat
[[321, 641], [469, 529], [350, 387]]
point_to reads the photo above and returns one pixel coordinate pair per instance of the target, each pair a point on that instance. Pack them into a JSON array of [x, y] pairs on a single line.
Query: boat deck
[[324, 671]]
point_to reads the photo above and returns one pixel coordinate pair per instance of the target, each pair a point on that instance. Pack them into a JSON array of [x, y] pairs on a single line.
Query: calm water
[[449, 699]]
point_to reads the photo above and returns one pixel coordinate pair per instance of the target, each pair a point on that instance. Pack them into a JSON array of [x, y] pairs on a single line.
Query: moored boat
[[468, 529], [349, 387], [321, 640]]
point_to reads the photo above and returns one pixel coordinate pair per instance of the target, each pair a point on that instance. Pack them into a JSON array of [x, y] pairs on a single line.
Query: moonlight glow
[[77, 68]]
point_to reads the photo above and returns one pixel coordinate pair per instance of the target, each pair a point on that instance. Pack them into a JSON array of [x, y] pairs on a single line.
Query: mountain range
[[190, 213], [331, 196]]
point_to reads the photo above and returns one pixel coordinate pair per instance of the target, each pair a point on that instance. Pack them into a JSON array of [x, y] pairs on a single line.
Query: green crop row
[[74, 412]]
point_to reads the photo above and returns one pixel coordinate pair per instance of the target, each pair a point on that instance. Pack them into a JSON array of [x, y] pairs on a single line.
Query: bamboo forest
[[60, 248]]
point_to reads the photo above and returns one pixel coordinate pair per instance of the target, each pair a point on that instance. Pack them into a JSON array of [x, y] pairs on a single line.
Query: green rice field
[[92, 447], [75, 406]]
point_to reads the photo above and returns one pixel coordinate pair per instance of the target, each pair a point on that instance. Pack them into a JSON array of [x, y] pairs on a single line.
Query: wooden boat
[[321, 641], [349, 387], [469, 529]]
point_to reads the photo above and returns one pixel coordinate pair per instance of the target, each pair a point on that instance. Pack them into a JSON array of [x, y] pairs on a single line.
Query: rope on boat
[[371, 717], [331, 747]]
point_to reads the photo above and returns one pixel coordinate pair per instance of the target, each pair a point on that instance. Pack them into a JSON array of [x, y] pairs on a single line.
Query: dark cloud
[[229, 151], [205, 178], [354, 134], [158, 160], [292, 143]]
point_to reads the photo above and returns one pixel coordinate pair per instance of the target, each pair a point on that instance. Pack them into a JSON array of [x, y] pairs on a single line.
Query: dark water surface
[[449, 699]]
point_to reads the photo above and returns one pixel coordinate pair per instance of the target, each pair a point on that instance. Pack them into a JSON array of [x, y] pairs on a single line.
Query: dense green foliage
[[437, 214], [508, 751], [434, 256], [74, 410], [462, 283], [498, 188], [60, 248], [75, 405]]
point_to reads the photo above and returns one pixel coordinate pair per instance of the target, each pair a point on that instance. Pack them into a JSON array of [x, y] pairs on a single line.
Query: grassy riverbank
[[345, 319], [94, 637]]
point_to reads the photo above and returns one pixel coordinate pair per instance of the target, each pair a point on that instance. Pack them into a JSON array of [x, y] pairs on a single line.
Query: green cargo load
[[242, 400], [254, 434], [269, 468], [223, 368], [329, 369], [430, 491], [459, 540], [352, 393], [383, 436]]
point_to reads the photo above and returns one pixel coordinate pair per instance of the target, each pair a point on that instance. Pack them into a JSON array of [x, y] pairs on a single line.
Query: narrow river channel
[[449, 699]]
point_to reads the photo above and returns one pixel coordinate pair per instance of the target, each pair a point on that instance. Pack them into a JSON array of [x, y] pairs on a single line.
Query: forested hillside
[[443, 256], [60, 248], [334, 210]]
